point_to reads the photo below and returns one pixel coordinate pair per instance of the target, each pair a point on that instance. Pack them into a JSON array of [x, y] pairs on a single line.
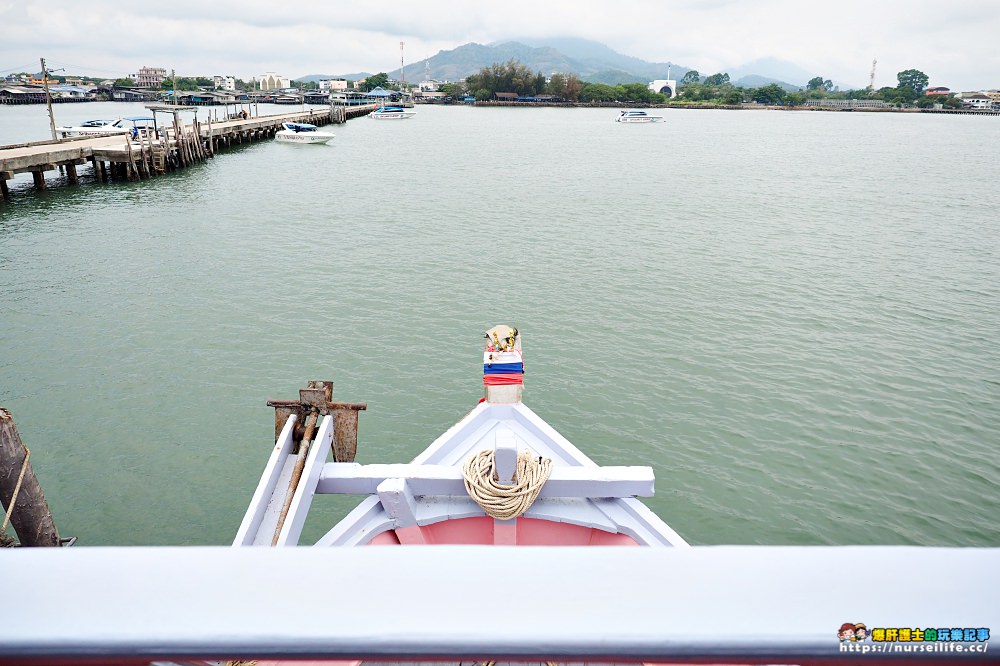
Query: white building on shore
[[272, 81], [666, 86], [224, 83], [329, 85]]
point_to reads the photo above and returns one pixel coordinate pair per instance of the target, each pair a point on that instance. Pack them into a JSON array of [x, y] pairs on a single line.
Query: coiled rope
[[498, 500]]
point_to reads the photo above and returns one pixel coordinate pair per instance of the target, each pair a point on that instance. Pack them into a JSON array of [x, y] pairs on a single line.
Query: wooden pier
[[175, 146]]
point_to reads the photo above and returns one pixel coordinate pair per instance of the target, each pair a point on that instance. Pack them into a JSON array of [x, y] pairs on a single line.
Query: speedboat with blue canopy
[[392, 113], [302, 133]]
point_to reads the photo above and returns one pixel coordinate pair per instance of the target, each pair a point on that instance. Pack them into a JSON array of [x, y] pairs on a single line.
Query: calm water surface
[[793, 317]]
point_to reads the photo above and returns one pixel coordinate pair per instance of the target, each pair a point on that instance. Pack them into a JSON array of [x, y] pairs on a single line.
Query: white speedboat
[[637, 117], [392, 113], [90, 127], [133, 125], [302, 133]]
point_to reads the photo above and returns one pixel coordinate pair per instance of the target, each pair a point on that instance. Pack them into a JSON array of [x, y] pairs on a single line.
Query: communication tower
[[871, 78]]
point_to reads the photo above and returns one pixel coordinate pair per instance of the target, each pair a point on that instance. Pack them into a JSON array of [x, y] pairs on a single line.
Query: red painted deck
[[486, 531]]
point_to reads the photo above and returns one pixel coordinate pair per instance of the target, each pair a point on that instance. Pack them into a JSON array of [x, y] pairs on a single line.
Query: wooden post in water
[[71, 173], [178, 142], [30, 516], [131, 173], [4, 192], [211, 139]]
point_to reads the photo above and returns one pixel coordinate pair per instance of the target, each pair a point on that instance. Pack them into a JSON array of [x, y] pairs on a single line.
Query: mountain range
[[589, 60]]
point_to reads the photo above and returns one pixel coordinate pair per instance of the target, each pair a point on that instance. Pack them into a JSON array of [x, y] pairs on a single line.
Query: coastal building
[[149, 77], [329, 85], [666, 87], [272, 81], [938, 90], [133, 95], [206, 98], [430, 96], [224, 83], [71, 93], [976, 100], [848, 103], [21, 95]]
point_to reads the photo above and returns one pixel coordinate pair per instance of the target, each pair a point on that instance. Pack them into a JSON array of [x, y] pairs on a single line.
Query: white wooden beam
[[355, 479], [505, 455], [265, 488], [304, 492], [398, 501], [732, 604]]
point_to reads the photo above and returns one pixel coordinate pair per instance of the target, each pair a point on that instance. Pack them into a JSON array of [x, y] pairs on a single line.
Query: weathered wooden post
[[20, 494]]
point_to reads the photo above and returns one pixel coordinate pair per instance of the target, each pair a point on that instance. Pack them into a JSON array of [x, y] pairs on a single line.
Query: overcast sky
[[955, 42]]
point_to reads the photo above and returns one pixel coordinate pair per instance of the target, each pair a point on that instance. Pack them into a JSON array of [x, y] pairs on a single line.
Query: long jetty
[[122, 157]]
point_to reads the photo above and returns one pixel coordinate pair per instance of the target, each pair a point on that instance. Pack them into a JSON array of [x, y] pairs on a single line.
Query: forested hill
[[590, 61]]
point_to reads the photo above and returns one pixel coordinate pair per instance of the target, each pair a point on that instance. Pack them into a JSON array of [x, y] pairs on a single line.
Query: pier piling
[[20, 493]]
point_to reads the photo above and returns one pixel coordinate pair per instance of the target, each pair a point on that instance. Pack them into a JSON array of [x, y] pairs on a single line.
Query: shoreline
[[721, 107]]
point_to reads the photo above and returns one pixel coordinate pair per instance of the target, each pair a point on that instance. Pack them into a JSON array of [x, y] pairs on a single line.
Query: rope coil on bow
[[498, 500]]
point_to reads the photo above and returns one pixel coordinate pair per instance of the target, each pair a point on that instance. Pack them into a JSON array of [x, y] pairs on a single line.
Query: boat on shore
[[392, 113], [302, 133], [628, 116]]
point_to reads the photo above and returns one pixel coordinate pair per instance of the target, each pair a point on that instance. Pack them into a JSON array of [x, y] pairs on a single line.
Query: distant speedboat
[[302, 133], [637, 117], [391, 113]]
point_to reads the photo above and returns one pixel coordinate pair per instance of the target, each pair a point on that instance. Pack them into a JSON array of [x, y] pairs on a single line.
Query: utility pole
[[48, 99], [402, 76], [173, 75]]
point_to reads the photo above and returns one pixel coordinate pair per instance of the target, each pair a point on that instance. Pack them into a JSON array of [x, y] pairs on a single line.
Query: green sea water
[[793, 317]]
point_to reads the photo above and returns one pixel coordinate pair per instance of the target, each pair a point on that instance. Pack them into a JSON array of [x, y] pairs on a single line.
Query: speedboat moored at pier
[[302, 133], [133, 125]]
